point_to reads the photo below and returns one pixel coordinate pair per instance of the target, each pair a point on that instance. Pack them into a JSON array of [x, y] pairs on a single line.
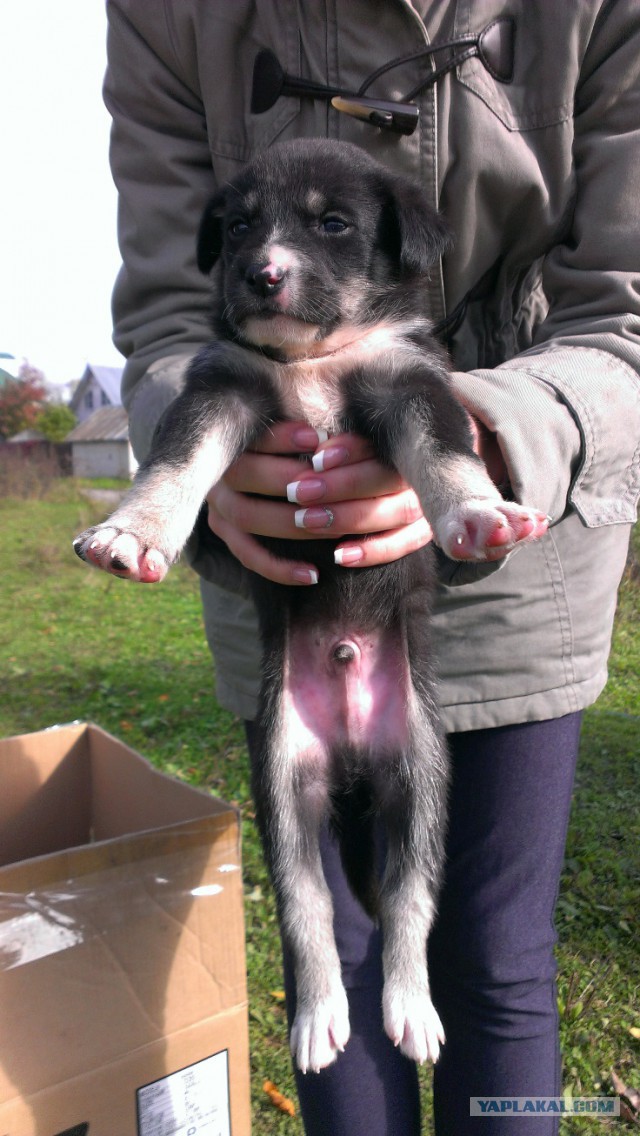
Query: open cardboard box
[[123, 1008]]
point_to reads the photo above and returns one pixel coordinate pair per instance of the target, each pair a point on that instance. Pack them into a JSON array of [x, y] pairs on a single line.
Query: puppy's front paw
[[487, 530], [120, 552], [411, 1021], [320, 1032]]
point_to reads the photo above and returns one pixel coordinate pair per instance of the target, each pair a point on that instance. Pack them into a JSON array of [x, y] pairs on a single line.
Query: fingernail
[[313, 518], [308, 438], [305, 575], [348, 556], [310, 489], [329, 458]]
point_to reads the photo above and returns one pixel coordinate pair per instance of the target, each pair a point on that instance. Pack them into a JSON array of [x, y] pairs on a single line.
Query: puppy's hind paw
[[120, 553], [487, 530], [411, 1021], [320, 1032]]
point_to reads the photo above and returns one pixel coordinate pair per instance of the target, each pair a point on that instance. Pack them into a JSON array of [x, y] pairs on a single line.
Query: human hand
[[348, 492], [351, 494]]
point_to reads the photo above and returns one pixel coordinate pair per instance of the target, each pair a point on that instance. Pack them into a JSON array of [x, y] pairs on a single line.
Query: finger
[[290, 438], [266, 473], [258, 515], [292, 477], [300, 438], [341, 449], [383, 548], [265, 517], [364, 479], [265, 468], [261, 516], [371, 515], [253, 556]]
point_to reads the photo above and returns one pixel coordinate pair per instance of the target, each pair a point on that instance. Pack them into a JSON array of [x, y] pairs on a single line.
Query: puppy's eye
[[238, 228], [333, 224]]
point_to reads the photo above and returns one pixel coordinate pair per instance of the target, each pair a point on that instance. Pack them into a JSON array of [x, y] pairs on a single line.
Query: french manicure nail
[[329, 458], [305, 575], [348, 556], [310, 489], [314, 518], [308, 438]]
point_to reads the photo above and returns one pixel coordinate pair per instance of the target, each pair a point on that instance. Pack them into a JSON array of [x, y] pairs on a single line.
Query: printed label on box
[[192, 1102]]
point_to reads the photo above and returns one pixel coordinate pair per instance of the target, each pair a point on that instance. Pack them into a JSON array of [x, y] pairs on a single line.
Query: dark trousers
[[491, 951]]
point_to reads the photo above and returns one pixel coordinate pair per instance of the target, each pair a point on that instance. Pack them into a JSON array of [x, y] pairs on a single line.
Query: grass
[[75, 645]]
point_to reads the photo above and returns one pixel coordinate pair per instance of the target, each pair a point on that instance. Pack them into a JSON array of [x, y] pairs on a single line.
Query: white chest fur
[[311, 389], [311, 392]]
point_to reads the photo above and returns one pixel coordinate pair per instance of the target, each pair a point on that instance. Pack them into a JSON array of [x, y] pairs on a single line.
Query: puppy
[[321, 258]]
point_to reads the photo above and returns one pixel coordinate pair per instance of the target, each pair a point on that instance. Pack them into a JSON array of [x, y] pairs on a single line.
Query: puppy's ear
[[419, 234], [209, 245]]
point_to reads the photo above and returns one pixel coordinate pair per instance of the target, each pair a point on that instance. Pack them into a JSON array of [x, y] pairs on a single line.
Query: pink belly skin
[[344, 687]]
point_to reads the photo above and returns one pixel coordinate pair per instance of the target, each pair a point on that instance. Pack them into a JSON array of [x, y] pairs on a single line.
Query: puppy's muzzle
[[266, 279]]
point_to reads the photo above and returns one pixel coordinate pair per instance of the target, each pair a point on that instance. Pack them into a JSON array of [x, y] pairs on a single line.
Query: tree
[[21, 400], [55, 421]]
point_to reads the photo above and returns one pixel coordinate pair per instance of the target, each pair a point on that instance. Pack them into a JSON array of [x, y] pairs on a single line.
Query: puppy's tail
[[353, 820]]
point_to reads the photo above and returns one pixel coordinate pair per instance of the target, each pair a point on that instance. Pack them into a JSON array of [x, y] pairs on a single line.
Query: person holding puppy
[[525, 138]]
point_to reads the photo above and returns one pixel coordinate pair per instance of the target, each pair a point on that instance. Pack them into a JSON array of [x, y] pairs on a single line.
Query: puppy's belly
[[345, 688]]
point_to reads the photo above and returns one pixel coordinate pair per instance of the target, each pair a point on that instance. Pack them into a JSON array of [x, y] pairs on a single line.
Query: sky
[[58, 248]]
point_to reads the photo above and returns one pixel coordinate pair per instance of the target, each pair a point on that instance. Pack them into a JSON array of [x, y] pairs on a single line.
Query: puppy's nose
[[265, 279]]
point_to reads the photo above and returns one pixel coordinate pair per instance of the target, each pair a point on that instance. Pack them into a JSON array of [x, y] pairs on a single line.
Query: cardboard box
[[123, 1008]]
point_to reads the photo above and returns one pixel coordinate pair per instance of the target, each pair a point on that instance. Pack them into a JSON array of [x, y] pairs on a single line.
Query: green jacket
[[539, 178]]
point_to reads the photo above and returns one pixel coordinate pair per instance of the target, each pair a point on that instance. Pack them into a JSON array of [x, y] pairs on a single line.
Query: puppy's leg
[[320, 1029], [468, 515], [414, 814], [200, 436], [421, 429], [294, 804], [291, 783]]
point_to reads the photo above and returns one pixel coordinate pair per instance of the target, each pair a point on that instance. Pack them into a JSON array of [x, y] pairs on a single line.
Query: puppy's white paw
[[487, 530], [120, 552], [412, 1023], [320, 1032]]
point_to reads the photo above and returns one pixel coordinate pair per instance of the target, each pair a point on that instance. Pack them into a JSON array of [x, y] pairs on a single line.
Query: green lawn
[[75, 644]]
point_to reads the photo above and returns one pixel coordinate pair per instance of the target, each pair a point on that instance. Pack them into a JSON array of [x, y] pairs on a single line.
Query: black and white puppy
[[322, 256]]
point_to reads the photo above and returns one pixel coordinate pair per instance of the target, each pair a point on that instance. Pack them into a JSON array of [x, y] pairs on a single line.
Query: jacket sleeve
[[161, 164], [567, 411]]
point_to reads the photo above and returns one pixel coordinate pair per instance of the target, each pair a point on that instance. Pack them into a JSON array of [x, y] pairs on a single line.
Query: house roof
[[108, 378], [28, 435], [9, 368], [108, 424]]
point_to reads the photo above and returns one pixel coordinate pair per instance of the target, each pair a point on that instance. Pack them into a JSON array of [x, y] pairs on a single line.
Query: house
[[99, 387], [100, 445], [61, 392], [26, 437], [9, 368]]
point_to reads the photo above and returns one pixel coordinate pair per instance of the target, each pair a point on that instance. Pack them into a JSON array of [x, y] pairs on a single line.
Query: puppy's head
[[315, 239]]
